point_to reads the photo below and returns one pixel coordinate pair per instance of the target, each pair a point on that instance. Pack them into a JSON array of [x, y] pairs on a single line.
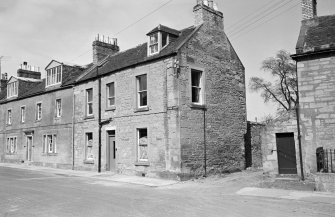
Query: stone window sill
[[141, 109], [89, 117], [89, 161], [49, 154], [198, 106], [142, 163], [112, 108]]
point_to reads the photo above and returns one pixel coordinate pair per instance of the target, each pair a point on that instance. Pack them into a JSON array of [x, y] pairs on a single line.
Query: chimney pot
[[210, 3]]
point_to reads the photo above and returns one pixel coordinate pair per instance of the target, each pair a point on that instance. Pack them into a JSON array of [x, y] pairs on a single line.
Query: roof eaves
[[299, 56]]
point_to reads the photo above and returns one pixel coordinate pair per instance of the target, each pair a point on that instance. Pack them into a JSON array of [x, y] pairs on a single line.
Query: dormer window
[[153, 47], [159, 38], [12, 89], [54, 75], [165, 39]]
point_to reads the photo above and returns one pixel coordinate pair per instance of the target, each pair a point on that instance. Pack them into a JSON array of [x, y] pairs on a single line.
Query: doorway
[[287, 163], [111, 151], [29, 146]]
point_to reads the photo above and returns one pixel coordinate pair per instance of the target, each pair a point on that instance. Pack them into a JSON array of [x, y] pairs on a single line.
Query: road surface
[[29, 193]]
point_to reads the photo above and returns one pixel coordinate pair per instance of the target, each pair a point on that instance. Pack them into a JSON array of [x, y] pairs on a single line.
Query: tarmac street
[[30, 193]]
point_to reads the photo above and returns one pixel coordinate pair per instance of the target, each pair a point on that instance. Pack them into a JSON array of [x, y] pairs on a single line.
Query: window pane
[[196, 76], [58, 107], [50, 144], [111, 90], [164, 39], [89, 95], [154, 38], [90, 108], [89, 145], [143, 133], [195, 94], [111, 101], [142, 80], [143, 98], [143, 144], [59, 74]]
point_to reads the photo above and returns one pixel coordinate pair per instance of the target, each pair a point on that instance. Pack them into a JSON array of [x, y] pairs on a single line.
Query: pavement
[[310, 196], [105, 176]]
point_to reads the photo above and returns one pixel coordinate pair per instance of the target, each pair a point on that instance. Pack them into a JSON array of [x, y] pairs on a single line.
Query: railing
[[325, 160]]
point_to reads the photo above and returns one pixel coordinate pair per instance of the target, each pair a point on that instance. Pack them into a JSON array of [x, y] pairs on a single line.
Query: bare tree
[[283, 90]]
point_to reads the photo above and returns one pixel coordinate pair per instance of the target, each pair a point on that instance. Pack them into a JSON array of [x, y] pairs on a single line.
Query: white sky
[[38, 31]]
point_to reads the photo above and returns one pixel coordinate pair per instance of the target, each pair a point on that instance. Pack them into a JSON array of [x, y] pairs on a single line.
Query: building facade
[[315, 56], [172, 107]]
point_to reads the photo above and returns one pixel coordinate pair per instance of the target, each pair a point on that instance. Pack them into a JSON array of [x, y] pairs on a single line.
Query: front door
[[29, 148], [111, 151], [287, 163]]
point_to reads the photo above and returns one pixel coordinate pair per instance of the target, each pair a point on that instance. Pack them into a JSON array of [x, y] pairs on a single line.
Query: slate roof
[[137, 55], [317, 34], [112, 63], [30, 87], [3, 94], [165, 29]]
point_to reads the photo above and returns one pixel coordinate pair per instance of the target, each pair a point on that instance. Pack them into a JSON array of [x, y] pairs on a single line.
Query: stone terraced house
[[172, 107]]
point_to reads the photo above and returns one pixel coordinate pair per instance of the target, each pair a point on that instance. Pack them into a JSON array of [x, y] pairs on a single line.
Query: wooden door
[[111, 152], [287, 163]]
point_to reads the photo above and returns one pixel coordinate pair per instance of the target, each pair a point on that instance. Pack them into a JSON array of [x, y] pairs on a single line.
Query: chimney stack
[[309, 9], [205, 12], [104, 46], [28, 71], [3, 81]]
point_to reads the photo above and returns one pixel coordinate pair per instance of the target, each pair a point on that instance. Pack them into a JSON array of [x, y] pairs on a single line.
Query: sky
[[38, 31]]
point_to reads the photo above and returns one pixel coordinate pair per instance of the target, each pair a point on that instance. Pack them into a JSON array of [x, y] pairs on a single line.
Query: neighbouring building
[[36, 116], [315, 57], [171, 107]]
